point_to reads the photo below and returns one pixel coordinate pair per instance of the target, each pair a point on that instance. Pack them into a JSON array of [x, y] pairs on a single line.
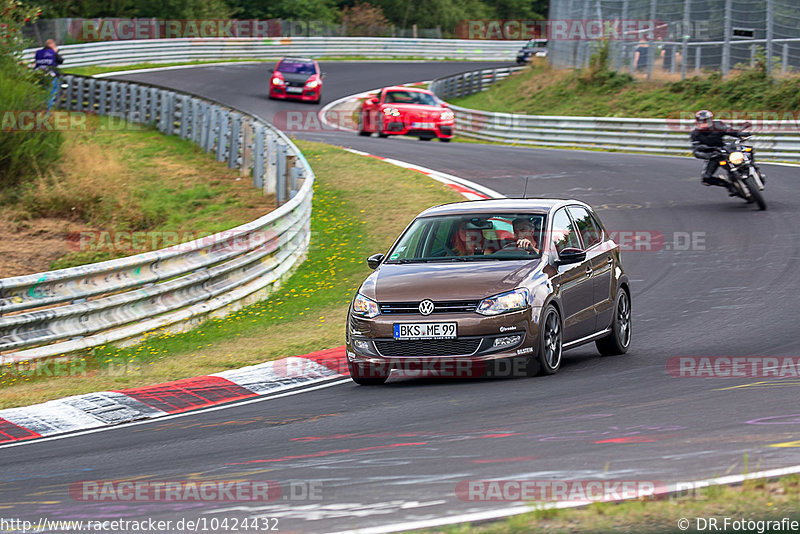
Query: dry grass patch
[[120, 177]]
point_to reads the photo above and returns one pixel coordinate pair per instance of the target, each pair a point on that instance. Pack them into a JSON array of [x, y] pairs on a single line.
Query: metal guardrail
[[774, 139], [182, 50], [57, 312]]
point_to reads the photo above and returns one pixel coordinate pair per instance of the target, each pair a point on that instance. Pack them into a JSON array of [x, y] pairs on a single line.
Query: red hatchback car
[[297, 79], [406, 111]]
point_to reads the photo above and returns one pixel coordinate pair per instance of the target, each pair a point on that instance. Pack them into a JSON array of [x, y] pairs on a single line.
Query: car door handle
[[588, 271]]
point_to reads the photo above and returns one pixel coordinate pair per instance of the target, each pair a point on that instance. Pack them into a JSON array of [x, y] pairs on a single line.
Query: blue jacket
[[48, 59]]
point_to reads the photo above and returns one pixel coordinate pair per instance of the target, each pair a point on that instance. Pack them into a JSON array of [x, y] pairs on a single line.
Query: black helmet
[[704, 116]]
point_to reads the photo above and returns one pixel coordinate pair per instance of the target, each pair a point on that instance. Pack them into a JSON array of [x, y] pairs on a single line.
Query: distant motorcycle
[[745, 179]]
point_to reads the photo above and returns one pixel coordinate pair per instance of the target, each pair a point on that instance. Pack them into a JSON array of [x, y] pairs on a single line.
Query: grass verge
[[360, 206], [543, 90], [119, 177], [755, 500]]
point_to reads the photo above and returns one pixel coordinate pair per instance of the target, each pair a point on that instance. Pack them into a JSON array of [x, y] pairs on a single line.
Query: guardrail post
[[154, 97], [258, 156], [222, 134], [290, 178], [79, 95], [247, 148], [186, 115], [141, 105], [233, 143], [170, 113], [294, 171], [271, 179], [102, 97], [162, 112], [70, 90], [212, 117], [132, 107], [460, 85], [113, 104], [205, 129], [280, 186], [91, 97], [196, 121]]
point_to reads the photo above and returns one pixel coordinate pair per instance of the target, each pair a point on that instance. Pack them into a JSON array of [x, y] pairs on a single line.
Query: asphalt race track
[[725, 281]]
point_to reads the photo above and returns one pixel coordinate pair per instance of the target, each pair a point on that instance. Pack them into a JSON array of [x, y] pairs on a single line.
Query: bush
[[22, 153]]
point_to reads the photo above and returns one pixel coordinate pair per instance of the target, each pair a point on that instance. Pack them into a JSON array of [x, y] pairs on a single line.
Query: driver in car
[[525, 232]]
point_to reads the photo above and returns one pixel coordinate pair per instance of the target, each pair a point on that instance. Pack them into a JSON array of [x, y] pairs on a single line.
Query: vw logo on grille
[[426, 307]]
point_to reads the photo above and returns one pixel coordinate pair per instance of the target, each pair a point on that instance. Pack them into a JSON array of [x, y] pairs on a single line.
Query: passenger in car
[[467, 242]]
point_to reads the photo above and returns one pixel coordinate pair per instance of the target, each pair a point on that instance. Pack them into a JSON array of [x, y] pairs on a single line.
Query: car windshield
[[501, 236], [410, 97], [297, 67]]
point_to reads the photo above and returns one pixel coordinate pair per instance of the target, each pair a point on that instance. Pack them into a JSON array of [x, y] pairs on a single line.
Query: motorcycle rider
[[707, 143]]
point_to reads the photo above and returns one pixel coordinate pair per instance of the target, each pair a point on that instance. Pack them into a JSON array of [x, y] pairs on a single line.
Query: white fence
[[182, 50]]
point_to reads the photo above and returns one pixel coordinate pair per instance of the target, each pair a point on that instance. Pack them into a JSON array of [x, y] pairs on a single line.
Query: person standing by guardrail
[[48, 59]]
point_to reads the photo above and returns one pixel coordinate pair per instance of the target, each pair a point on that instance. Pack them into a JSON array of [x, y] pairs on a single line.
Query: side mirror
[[374, 260], [271, 71], [372, 101], [445, 105], [569, 256]]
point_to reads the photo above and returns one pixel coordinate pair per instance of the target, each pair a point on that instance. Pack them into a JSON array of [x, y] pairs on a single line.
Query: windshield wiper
[[407, 260]]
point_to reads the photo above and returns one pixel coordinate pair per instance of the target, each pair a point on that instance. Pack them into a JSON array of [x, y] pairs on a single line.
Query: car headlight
[[736, 158], [364, 307], [393, 112], [447, 116], [504, 302], [312, 84], [277, 81]]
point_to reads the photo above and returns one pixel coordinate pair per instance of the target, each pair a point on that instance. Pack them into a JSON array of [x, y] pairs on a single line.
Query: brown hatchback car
[[490, 288]]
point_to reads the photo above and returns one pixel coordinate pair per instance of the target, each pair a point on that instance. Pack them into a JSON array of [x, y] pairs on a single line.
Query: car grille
[[445, 306], [420, 348], [295, 84]]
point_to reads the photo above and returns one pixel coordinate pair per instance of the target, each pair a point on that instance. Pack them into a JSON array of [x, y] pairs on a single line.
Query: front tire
[[361, 131], [755, 193], [619, 340], [548, 356], [367, 375], [380, 129]]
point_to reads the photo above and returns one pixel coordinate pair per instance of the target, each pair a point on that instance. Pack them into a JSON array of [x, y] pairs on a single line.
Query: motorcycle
[[744, 178]]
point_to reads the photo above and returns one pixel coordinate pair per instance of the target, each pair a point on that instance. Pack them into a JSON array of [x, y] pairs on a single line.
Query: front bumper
[[279, 91], [485, 346], [442, 130]]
